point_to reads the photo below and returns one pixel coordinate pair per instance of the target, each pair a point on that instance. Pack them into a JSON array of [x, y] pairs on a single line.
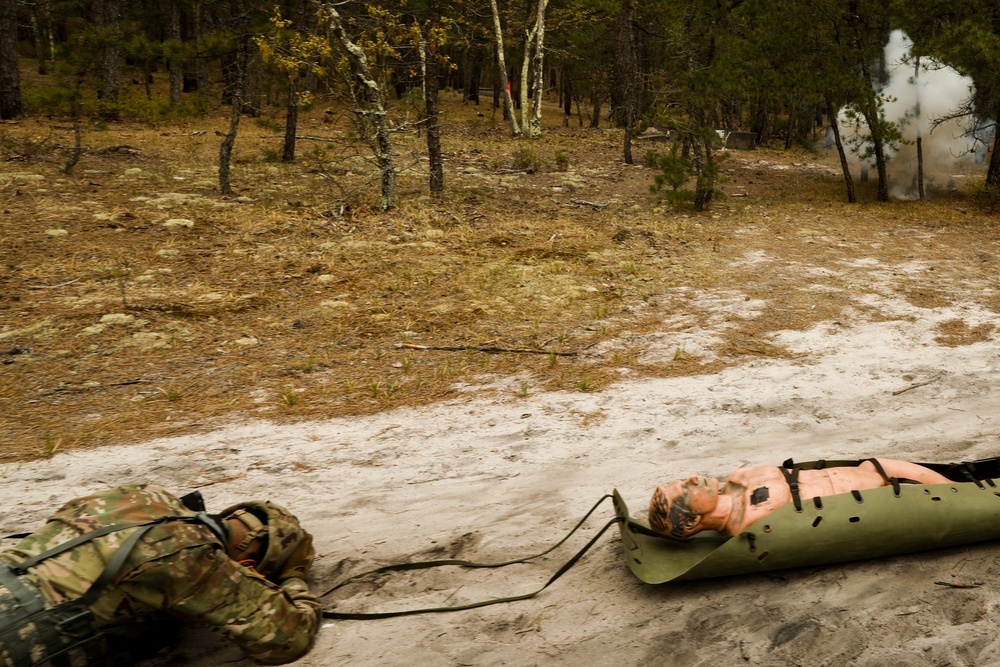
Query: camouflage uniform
[[178, 570]]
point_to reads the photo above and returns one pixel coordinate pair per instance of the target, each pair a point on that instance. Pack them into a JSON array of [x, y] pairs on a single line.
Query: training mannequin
[[685, 507]]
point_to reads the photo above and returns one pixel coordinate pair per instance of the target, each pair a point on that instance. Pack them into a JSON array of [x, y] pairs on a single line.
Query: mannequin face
[[681, 505]]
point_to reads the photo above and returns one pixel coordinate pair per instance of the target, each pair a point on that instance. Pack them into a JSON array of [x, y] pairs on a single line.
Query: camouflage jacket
[[176, 569]]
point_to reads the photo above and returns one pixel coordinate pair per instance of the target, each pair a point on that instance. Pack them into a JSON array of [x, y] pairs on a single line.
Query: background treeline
[[777, 68]]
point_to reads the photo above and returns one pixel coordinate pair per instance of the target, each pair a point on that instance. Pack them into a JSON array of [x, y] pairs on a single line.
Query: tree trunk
[[919, 121], [704, 165], [522, 104], [466, 71], [38, 37], [77, 144], [626, 104], [831, 113], [595, 101], [993, 171], [201, 66], [792, 118], [226, 149], [109, 59], [567, 86], [10, 76], [253, 81], [759, 120], [431, 103], [41, 30], [508, 104], [874, 120], [534, 128], [475, 78], [370, 109], [291, 121], [174, 35], [869, 104]]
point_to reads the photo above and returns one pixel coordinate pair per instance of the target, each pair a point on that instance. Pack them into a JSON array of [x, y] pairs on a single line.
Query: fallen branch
[[307, 137], [583, 202], [956, 585], [196, 133], [514, 171], [477, 348], [917, 384]]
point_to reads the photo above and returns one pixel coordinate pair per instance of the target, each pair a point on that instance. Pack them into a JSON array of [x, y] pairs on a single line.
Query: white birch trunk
[[502, 66], [534, 125], [529, 42]]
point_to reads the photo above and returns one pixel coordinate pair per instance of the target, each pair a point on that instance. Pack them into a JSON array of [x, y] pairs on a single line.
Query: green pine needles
[[674, 170]]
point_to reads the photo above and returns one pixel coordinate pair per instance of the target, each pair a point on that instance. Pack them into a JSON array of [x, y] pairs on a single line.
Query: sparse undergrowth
[[136, 302]]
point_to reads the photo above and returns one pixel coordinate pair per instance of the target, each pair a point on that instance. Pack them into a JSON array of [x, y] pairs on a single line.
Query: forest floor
[[258, 344]]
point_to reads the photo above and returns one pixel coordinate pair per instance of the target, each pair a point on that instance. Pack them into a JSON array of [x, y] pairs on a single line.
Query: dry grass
[[286, 302]]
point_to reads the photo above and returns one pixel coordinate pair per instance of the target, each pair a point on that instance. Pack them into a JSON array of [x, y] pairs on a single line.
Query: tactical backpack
[[65, 635]]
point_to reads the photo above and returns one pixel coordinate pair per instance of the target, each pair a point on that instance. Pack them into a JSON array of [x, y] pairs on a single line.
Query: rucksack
[[65, 634]]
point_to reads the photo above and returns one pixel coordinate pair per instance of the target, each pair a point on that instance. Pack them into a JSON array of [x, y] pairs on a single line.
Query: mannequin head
[[678, 509]]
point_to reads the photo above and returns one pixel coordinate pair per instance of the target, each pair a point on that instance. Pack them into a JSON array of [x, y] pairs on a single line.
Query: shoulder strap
[[892, 481], [200, 517], [792, 478], [462, 563], [114, 565]]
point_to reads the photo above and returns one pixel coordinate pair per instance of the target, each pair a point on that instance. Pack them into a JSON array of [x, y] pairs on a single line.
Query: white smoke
[[914, 100]]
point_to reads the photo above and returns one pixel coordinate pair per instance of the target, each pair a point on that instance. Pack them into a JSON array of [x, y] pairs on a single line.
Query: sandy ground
[[499, 478]]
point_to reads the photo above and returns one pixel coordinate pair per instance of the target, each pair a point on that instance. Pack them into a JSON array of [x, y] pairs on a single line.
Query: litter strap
[[888, 480], [468, 564], [792, 477]]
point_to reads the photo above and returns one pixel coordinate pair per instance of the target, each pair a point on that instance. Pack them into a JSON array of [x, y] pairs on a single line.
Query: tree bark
[[431, 102], [523, 88], [77, 146], [466, 69], [38, 37], [174, 35], [920, 131], [508, 103], [831, 113], [291, 121], [370, 112], [704, 165], [873, 118], [595, 102], [993, 171], [109, 59], [868, 103], [534, 125], [626, 76], [567, 85], [10, 75], [226, 148]]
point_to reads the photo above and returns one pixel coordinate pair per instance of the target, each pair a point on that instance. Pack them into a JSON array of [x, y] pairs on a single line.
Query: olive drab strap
[[399, 567], [791, 474], [200, 517], [890, 481]]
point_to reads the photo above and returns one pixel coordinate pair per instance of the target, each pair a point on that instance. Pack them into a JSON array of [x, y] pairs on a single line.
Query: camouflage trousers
[[35, 635]]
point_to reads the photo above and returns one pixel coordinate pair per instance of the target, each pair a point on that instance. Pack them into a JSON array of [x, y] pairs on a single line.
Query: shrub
[[526, 159], [562, 160]]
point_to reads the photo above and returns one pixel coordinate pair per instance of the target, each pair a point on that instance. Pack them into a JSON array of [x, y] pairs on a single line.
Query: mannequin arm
[[908, 470]]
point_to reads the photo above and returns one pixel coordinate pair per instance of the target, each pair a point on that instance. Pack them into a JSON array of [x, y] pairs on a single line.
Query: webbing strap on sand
[[463, 563]]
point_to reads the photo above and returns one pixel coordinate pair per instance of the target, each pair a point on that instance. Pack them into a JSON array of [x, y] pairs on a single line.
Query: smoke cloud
[[914, 99]]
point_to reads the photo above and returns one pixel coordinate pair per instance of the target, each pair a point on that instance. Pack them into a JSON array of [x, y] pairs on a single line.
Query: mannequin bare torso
[[685, 507]]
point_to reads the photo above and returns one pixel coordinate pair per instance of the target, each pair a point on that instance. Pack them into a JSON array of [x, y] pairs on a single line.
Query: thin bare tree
[[369, 108]]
